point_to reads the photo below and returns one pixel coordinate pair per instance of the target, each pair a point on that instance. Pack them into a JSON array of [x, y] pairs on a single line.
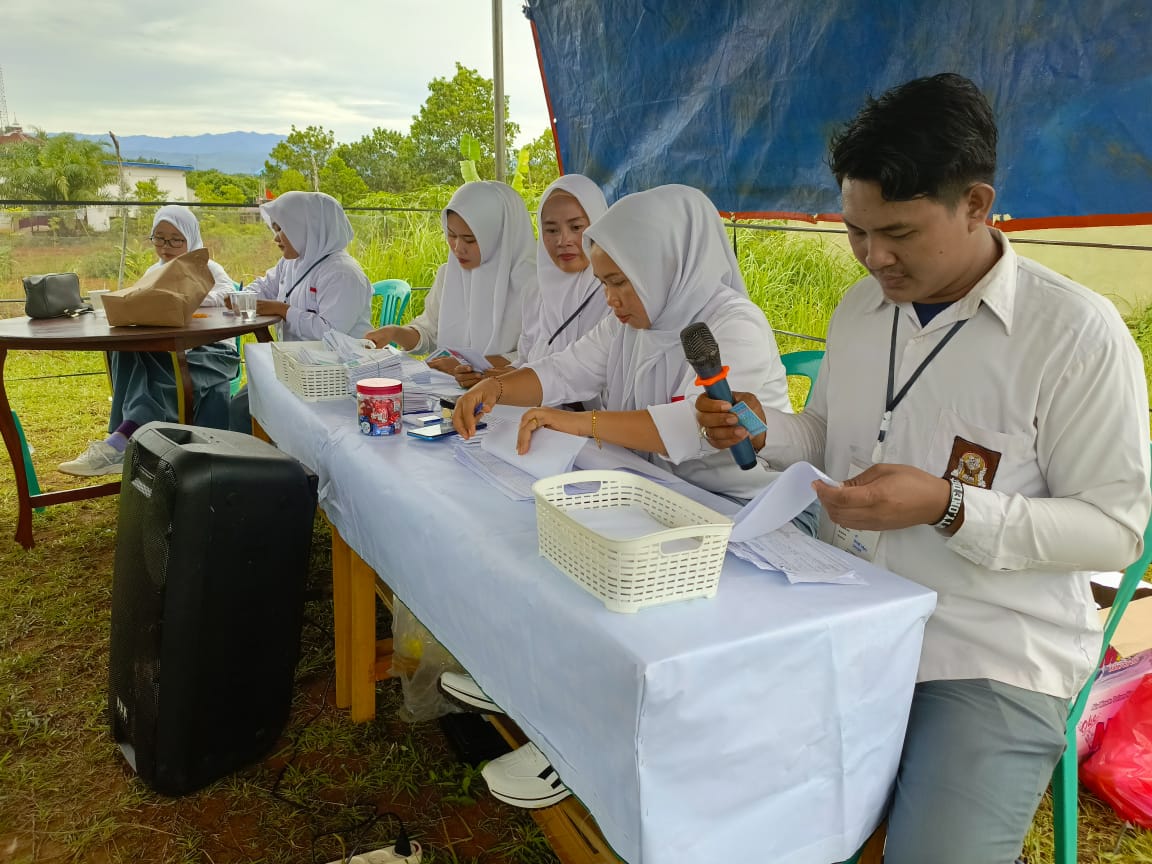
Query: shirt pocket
[[985, 457]]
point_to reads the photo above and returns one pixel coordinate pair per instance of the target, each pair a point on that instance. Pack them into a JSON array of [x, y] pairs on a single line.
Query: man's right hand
[[720, 426]]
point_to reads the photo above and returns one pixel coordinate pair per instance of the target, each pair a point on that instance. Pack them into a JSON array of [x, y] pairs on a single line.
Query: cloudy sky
[[161, 67]]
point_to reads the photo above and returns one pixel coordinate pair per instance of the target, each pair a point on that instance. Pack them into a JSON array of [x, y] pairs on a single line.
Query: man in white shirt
[[990, 420]]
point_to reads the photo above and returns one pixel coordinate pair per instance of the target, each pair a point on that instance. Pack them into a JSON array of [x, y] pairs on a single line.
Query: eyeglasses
[[174, 242]]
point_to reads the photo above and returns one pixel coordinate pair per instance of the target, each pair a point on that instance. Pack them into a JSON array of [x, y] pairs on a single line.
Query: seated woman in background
[[316, 286], [476, 300], [567, 302], [665, 263], [144, 383]]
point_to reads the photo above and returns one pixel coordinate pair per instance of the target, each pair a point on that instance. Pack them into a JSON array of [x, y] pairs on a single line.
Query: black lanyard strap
[[892, 401], [572, 317], [304, 275]]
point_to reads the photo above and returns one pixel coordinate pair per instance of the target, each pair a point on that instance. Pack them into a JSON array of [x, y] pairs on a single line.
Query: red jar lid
[[379, 387]]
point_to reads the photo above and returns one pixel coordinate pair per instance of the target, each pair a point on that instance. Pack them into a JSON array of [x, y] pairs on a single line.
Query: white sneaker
[[525, 778], [464, 689], [99, 458]]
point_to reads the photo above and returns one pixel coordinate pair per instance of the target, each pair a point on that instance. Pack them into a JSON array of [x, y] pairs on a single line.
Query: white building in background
[[172, 180]]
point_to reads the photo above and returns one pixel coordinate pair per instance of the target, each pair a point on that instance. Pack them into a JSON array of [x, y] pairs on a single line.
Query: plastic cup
[[96, 299], [244, 302]]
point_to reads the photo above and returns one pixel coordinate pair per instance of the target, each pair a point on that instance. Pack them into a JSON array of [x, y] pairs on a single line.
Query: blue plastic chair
[[805, 363], [1065, 780], [26, 454], [394, 295]]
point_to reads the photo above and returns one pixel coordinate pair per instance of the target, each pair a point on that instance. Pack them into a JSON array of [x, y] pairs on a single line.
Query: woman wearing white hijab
[[475, 302], [665, 263], [316, 286], [143, 384], [568, 301]]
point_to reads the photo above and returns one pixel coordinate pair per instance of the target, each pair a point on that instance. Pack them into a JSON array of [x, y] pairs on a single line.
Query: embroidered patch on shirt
[[972, 464]]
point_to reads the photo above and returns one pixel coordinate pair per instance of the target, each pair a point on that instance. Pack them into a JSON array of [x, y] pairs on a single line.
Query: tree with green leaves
[[542, 167], [149, 190], [461, 105], [305, 151], [55, 168], [342, 182], [216, 187], [377, 159]]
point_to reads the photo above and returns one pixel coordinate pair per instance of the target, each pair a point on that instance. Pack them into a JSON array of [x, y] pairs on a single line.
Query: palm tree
[[57, 168]]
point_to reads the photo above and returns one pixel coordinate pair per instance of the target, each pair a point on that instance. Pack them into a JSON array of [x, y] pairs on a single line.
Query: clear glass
[[96, 299], [244, 302]]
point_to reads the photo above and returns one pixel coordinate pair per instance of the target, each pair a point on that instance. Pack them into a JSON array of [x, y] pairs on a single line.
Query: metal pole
[[498, 88]]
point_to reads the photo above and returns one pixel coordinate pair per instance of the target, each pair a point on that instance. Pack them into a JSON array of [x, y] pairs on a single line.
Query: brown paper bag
[[166, 297]]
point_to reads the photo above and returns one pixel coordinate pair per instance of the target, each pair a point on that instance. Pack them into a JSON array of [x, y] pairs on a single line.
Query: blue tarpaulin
[[738, 97]]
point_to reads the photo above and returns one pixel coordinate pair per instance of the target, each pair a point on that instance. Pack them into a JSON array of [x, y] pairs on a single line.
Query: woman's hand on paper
[[440, 364], [885, 497], [572, 422], [720, 426], [271, 307], [478, 401]]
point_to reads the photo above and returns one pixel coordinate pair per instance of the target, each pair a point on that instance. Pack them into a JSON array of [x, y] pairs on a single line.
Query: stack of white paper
[[799, 557], [513, 482], [419, 380]]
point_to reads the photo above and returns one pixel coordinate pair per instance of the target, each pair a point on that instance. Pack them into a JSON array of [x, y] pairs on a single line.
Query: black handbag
[[53, 295]]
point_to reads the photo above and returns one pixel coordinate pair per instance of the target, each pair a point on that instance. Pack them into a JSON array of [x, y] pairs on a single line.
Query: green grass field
[[65, 794]]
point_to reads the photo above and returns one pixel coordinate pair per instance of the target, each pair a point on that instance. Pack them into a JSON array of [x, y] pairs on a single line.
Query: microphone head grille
[[698, 342]]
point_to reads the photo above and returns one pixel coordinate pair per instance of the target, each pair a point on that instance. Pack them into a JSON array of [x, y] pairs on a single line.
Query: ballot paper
[[779, 502], [509, 480], [549, 452], [799, 557], [463, 356]]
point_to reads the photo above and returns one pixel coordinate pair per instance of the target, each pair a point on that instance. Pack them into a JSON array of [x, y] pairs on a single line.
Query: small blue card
[[748, 419]]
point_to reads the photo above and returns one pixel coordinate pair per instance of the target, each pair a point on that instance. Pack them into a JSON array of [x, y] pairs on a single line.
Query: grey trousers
[[977, 758], [144, 386]]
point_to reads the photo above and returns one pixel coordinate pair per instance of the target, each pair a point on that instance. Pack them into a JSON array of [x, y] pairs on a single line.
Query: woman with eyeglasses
[[143, 383]]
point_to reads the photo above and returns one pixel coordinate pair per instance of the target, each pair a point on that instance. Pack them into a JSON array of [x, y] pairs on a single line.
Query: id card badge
[[860, 543]]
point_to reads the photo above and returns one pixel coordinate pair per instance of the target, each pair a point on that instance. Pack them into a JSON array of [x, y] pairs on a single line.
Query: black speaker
[[213, 539]]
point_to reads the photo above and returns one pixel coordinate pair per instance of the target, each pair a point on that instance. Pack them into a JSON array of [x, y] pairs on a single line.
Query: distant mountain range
[[230, 152]]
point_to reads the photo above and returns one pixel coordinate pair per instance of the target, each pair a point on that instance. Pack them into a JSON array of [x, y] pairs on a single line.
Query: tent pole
[[498, 88]]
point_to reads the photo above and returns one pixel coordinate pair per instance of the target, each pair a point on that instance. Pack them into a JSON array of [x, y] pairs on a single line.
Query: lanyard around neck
[[572, 317], [304, 275], [892, 401]]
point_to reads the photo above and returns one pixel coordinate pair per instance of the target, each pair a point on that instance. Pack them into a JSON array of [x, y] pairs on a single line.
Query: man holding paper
[[990, 420]]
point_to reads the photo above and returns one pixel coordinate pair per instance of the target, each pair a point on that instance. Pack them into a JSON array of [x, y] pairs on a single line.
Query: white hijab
[[315, 225], [670, 243], [560, 294], [480, 308], [184, 221]]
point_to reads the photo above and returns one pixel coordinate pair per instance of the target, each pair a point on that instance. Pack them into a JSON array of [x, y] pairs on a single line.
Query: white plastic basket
[[630, 574], [311, 382]]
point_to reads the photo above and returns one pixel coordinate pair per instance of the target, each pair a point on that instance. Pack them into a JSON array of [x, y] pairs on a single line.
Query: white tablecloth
[[764, 724]]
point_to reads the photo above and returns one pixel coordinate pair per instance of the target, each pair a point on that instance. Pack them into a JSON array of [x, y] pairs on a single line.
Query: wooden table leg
[[362, 647], [341, 620], [185, 404], [258, 432], [16, 458]]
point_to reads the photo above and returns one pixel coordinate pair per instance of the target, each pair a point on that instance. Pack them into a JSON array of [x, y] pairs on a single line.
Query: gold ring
[[535, 424], [703, 431]]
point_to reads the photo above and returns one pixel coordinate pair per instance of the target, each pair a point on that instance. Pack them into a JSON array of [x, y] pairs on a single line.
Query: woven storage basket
[[630, 574], [312, 383]]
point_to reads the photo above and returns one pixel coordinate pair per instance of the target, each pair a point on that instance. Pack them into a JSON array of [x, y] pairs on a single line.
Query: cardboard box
[[1134, 633]]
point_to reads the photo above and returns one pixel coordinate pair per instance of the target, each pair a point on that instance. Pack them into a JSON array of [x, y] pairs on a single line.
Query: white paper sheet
[[799, 557], [550, 453], [779, 502], [511, 481], [473, 358]]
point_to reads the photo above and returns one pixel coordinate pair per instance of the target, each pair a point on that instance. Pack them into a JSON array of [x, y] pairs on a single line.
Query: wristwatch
[[955, 502]]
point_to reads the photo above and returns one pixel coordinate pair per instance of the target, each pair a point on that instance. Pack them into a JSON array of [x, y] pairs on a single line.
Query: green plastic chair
[[805, 363], [394, 295], [26, 453], [1065, 780]]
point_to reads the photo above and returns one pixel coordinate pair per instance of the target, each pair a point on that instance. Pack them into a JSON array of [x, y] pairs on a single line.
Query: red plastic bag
[[1120, 771]]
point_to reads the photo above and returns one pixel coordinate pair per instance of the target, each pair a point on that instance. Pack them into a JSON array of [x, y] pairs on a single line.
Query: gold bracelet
[[499, 395], [595, 437]]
